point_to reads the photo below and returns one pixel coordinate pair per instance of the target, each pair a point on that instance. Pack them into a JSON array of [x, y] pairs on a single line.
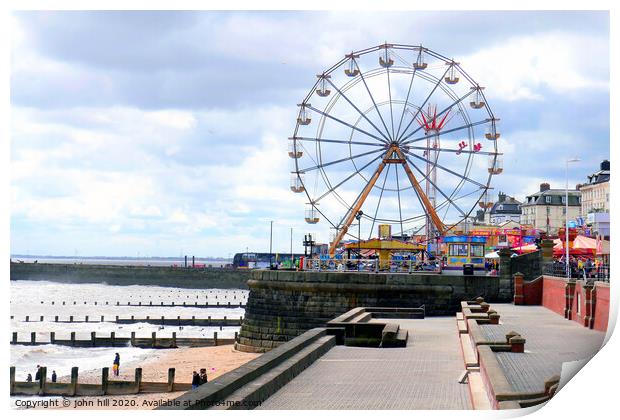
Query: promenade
[[423, 375]]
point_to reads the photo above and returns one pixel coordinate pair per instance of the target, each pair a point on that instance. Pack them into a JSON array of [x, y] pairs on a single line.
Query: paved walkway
[[550, 340], [423, 375]]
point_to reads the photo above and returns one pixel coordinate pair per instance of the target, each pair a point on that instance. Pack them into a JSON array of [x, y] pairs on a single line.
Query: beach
[[217, 360]]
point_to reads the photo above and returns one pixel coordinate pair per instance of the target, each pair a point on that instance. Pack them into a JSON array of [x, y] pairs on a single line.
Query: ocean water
[[180, 262], [26, 298]]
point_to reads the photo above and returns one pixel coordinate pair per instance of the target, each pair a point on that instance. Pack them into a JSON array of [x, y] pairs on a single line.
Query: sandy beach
[[217, 360]]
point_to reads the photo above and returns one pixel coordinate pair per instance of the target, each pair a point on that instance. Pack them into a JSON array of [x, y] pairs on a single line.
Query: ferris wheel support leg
[[355, 208], [430, 210]]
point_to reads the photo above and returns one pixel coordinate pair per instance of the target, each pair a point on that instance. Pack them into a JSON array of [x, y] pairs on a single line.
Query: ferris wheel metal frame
[[395, 146]]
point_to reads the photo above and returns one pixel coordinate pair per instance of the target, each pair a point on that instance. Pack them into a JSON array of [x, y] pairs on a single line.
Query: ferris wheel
[[394, 134]]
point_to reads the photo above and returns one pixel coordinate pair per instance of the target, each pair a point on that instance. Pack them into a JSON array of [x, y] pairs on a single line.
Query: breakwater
[[115, 275], [284, 304]]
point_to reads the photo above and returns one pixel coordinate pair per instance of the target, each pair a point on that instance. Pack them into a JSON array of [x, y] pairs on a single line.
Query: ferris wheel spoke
[[425, 101], [452, 130], [334, 188], [346, 123], [443, 111], [315, 139], [390, 97], [400, 211], [436, 187], [446, 169], [371, 97], [457, 151], [358, 110], [402, 115], [323, 165], [387, 171]]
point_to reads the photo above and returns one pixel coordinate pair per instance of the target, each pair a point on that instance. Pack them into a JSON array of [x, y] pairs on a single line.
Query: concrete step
[[267, 384], [362, 317], [479, 398], [462, 326], [459, 316], [469, 355], [402, 337]]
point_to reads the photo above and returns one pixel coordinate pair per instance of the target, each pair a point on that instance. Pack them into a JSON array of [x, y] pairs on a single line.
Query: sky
[[165, 133]]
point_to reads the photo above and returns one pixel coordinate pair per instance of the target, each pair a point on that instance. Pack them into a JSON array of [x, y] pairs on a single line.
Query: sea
[[34, 299], [159, 262]]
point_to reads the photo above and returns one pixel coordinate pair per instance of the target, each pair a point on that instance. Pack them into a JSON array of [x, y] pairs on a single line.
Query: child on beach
[[116, 365], [195, 380]]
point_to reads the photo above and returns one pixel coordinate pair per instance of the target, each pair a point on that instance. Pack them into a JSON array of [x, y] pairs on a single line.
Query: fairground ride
[[394, 134]]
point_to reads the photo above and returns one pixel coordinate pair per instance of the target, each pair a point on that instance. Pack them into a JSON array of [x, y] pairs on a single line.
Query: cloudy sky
[[162, 133]]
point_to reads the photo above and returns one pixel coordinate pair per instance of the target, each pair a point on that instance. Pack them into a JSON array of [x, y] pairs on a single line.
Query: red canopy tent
[[582, 246]]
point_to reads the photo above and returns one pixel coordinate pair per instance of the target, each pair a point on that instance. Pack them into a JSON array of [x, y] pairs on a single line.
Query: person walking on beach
[[117, 364], [195, 380], [203, 376], [29, 378], [54, 376]]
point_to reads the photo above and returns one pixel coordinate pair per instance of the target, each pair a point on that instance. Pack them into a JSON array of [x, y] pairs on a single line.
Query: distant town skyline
[[150, 132]]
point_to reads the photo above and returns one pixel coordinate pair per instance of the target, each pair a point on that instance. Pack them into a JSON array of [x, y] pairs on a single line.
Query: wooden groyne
[[178, 321], [106, 387], [112, 340], [118, 275]]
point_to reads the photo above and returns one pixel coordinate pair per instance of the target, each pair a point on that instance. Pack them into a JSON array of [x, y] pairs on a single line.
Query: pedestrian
[[203, 376], [195, 380], [54, 376], [37, 376], [29, 378], [116, 366]]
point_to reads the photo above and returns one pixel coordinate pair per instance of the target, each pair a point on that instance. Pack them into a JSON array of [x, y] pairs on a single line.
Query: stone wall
[[117, 275], [284, 304]]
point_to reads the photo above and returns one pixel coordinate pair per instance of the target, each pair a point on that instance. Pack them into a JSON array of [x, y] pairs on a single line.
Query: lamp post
[[358, 217], [270, 244], [567, 263]]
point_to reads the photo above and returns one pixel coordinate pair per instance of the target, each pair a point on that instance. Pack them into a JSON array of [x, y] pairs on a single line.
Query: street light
[[358, 217], [567, 264]]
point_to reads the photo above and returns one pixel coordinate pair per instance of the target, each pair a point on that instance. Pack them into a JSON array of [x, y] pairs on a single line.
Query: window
[[477, 250], [563, 199], [458, 249], [548, 199]]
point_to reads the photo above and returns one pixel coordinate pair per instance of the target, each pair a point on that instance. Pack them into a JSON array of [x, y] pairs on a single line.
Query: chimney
[[501, 197], [605, 165], [544, 186], [578, 186]]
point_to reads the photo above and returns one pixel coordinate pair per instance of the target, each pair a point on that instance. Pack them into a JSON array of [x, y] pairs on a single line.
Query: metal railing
[[370, 265], [558, 269]]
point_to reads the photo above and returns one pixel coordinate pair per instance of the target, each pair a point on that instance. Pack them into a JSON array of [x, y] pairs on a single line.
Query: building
[[506, 209], [546, 209], [595, 200]]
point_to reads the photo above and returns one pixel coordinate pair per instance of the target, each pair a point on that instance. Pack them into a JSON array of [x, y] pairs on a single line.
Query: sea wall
[[284, 304], [133, 275]]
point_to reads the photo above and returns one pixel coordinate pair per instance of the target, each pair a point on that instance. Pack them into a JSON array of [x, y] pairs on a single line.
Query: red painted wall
[[532, 292], [554, 294], [579, 302], [601, 310]]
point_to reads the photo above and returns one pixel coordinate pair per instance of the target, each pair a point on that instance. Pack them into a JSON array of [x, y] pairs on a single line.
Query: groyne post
[[215, 338], [113, 338], [12, 380], [133, 338], [42, 380], [171, 379], [154, 339], [93, 338], [33, 338], [14, 339], [105, 372], [138, 380], [73, 339], [74, 381], [52, 337], [174, 339]]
